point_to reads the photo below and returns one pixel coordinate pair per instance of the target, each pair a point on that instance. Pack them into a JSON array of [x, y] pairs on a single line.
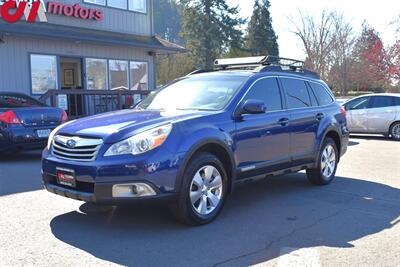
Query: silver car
[[375, 113]]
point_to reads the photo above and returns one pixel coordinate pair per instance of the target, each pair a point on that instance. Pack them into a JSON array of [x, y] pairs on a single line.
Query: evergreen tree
[[261, 37], [210, 28]]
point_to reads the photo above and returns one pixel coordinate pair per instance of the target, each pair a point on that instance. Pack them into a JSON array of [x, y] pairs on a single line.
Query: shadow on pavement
[[352, 143], [258, 220]]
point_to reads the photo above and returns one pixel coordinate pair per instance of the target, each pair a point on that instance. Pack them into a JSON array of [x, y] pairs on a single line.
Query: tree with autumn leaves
[[371, 64], [211, 29], [346, 61]]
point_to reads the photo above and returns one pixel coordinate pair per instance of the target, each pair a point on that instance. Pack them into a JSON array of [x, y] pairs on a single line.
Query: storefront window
[[43, 73], [96, 74], [118, 3], [98, 2], [118, 74], [139, 75], [137, 5]]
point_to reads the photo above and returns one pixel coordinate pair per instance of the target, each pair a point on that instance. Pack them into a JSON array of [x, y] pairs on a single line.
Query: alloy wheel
[[206, 190], [396, 131], [328, 161]]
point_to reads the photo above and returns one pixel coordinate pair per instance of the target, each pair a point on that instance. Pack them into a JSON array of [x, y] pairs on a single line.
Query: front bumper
[[95, 180], [101, 194]]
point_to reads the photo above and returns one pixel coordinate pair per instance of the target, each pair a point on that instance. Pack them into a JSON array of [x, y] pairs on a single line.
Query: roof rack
[[264, 63], [260, 64], [226, 63]]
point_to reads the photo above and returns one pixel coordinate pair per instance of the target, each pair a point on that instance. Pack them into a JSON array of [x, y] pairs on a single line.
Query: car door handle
[[284, 121], [320, 116]]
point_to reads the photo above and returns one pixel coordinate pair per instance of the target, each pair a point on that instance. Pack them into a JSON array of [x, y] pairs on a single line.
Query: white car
[[375, 114]]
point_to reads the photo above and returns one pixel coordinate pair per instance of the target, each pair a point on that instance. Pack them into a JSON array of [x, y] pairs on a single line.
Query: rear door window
[[382, 102], [18, 101], [296, 93], [321, 92], [266, 90]]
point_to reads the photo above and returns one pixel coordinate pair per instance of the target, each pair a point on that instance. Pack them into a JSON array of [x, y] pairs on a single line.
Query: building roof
[[82, 35]]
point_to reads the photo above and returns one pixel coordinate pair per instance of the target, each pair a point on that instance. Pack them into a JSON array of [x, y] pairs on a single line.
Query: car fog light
[[132, 190]]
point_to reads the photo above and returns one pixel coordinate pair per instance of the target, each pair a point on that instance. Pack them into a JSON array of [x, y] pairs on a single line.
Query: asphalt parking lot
[[281, 221]]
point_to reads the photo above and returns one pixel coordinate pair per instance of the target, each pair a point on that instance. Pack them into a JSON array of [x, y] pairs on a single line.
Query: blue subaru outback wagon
[[190, 142]]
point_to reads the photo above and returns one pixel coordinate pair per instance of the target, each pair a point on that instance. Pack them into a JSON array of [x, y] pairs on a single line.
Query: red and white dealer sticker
[[66, 177]]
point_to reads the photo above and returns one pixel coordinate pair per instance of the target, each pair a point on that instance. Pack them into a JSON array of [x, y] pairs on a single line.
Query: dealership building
[[79, 45]]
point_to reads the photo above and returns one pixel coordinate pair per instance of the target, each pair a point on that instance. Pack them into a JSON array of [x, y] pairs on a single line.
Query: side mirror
[[253, 106]]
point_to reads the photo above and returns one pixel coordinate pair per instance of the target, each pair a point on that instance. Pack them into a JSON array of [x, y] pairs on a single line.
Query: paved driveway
[[281, 221]]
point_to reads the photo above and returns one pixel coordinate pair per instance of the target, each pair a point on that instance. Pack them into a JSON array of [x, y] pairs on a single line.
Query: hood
[[115, 126]]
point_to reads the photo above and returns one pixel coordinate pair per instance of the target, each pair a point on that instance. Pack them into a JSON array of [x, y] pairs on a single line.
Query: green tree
[[261, 37], [210, 28], [170, 67]]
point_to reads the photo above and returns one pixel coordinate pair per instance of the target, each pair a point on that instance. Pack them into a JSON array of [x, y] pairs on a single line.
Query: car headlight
[[53, 133], [141, 143]]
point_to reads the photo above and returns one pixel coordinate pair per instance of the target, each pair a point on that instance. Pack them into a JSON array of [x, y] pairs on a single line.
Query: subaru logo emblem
[[71, 143]]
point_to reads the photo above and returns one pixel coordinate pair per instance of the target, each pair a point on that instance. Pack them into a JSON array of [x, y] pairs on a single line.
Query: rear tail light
[[343, 111], [64, 116], [9, 117]]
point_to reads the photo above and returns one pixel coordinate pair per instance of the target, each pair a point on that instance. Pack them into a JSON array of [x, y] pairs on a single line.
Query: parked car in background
[[190, 142], [26, 123], [374, 114]]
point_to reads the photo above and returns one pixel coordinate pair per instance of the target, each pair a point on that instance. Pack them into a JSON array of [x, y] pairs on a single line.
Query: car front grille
[[75, 148]]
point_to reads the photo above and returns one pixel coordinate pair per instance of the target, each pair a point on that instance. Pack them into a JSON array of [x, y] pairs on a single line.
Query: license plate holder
[[66, 177], [43, 133]]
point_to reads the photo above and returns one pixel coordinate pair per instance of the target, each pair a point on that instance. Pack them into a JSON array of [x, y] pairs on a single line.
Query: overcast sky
[[379, 15]]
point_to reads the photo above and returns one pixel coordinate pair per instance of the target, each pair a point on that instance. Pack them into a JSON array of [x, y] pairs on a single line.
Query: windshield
[[208, 92], [18, 101]]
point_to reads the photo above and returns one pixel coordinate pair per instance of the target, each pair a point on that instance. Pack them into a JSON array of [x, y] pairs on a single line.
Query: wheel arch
[[334, 135], [391, 125], [213, 146]]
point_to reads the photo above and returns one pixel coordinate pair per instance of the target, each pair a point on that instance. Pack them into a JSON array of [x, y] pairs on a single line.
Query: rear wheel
[[327, 164], [395, 131], [203, 191]]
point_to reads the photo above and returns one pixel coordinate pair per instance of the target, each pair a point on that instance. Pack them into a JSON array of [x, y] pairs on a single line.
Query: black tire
[[183, 209], [392, 130], [316, 175]]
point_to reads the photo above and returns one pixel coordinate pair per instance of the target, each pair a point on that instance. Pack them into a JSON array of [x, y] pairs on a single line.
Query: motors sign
[[13, 10]]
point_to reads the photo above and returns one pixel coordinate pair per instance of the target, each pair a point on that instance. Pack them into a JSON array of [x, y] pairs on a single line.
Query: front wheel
[[203, 191], [395, 131], [327, 164]]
